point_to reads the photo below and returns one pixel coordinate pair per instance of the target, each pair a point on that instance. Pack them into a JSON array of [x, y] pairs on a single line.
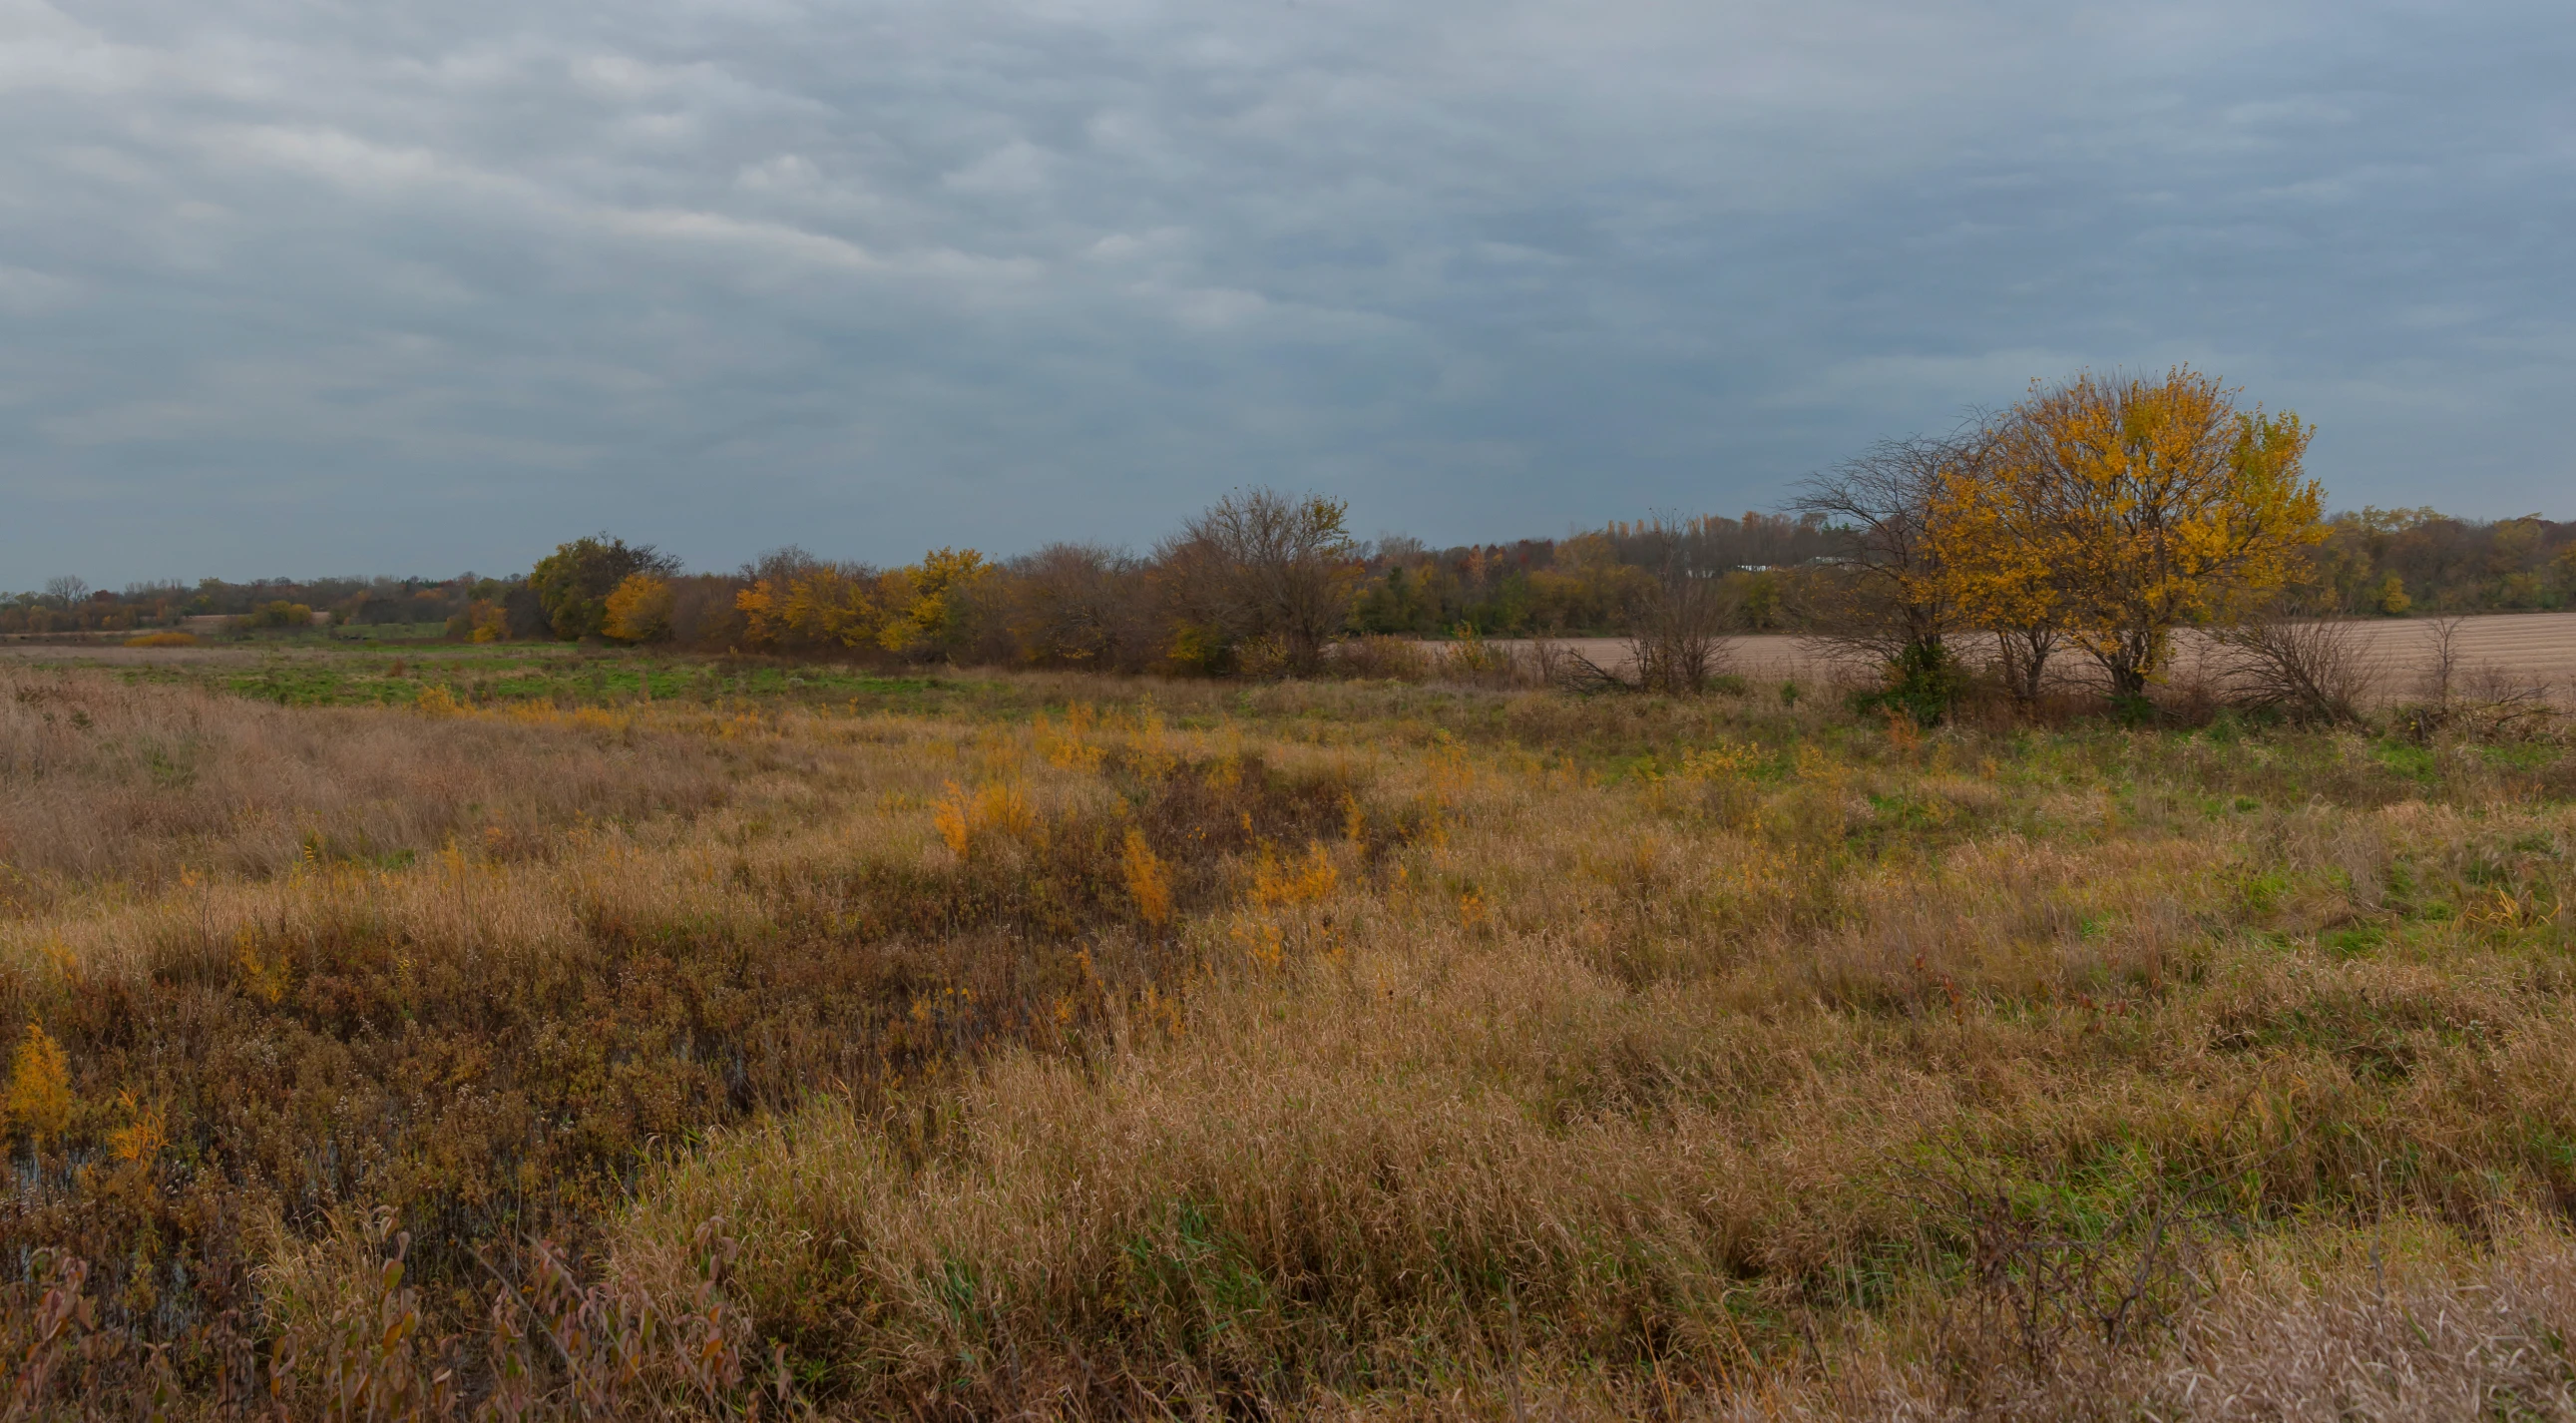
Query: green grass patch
[[483, 677]]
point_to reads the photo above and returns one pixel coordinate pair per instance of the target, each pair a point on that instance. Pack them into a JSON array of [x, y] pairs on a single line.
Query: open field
[[2537, 646], [707, 1035], [213, 634]]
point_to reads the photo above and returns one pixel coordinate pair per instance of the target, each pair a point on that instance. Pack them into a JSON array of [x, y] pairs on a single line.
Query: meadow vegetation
[[1062, 1045]]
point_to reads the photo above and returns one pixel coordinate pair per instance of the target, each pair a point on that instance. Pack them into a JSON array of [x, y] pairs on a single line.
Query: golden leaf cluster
[[913, 610], [2116, 509], [39, 1101]]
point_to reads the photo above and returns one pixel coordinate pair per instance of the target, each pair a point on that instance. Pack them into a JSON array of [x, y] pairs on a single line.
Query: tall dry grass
[[109, 780], [1630, 1092], [1333, 1049]]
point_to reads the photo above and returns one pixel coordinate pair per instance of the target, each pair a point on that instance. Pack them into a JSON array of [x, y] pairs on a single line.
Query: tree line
[[2088, 521], [1260, 582], [69, 605], [2390, 562]]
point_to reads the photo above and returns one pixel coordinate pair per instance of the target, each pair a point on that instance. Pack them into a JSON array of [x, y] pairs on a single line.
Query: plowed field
[[2530, 646]]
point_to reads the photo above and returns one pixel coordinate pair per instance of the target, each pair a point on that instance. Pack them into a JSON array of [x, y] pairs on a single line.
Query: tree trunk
[[2131, 662], [2025, 655]]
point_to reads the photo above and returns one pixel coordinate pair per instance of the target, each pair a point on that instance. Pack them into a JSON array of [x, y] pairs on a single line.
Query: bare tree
[[1884, 598], [2482, 696], [66, 589], [1680, 637], [2315, 668], [1546, 662], [1892, 601], [2442, 660], [1079, 605], [1268, 571], [1679, 640]]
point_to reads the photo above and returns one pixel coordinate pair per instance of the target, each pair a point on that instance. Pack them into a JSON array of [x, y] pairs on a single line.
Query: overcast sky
[[293, 287]]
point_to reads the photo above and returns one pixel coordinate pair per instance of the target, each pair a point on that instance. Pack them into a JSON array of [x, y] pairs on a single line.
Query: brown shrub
[[2315, 669], [1378, 657]]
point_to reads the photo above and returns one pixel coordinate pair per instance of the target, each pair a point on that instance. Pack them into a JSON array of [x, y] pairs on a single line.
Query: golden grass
[[1656, 1153], [1317, 1049]]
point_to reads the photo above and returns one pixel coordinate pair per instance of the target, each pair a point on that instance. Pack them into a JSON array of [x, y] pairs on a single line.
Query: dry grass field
[[660, 1040]]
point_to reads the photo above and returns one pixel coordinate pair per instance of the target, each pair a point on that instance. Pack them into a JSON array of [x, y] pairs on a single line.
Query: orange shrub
[[639, 609], [40, 1086], [994, 808], [1149, 883]]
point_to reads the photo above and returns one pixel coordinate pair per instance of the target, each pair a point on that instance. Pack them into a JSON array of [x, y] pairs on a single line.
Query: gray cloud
[[303, 287]]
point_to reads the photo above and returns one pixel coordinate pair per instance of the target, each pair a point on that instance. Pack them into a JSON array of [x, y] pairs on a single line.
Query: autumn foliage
[[2099, 516], [639, 609], [917, 612], [2118, 509], [39, 1098]]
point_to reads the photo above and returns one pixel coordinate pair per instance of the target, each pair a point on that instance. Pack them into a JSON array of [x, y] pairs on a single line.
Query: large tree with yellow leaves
[[2123, 508]]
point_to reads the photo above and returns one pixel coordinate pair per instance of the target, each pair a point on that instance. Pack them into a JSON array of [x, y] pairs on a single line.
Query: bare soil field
[[2531, 647]]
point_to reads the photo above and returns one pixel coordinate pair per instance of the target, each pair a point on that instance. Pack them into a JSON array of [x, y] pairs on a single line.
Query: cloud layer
[[294, 286]]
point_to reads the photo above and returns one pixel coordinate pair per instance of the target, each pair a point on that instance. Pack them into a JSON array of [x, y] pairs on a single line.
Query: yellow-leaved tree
[[2121, 508], [833, 605], [926, 601], [798, 601], [639, 609], [1995, 571]]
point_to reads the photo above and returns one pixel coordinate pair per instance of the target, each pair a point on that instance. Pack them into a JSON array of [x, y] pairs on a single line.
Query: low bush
[[1380, 657]]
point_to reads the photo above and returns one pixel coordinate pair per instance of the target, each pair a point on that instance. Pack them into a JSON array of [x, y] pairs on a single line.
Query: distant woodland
[[2095, 516], [1068, 602]]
